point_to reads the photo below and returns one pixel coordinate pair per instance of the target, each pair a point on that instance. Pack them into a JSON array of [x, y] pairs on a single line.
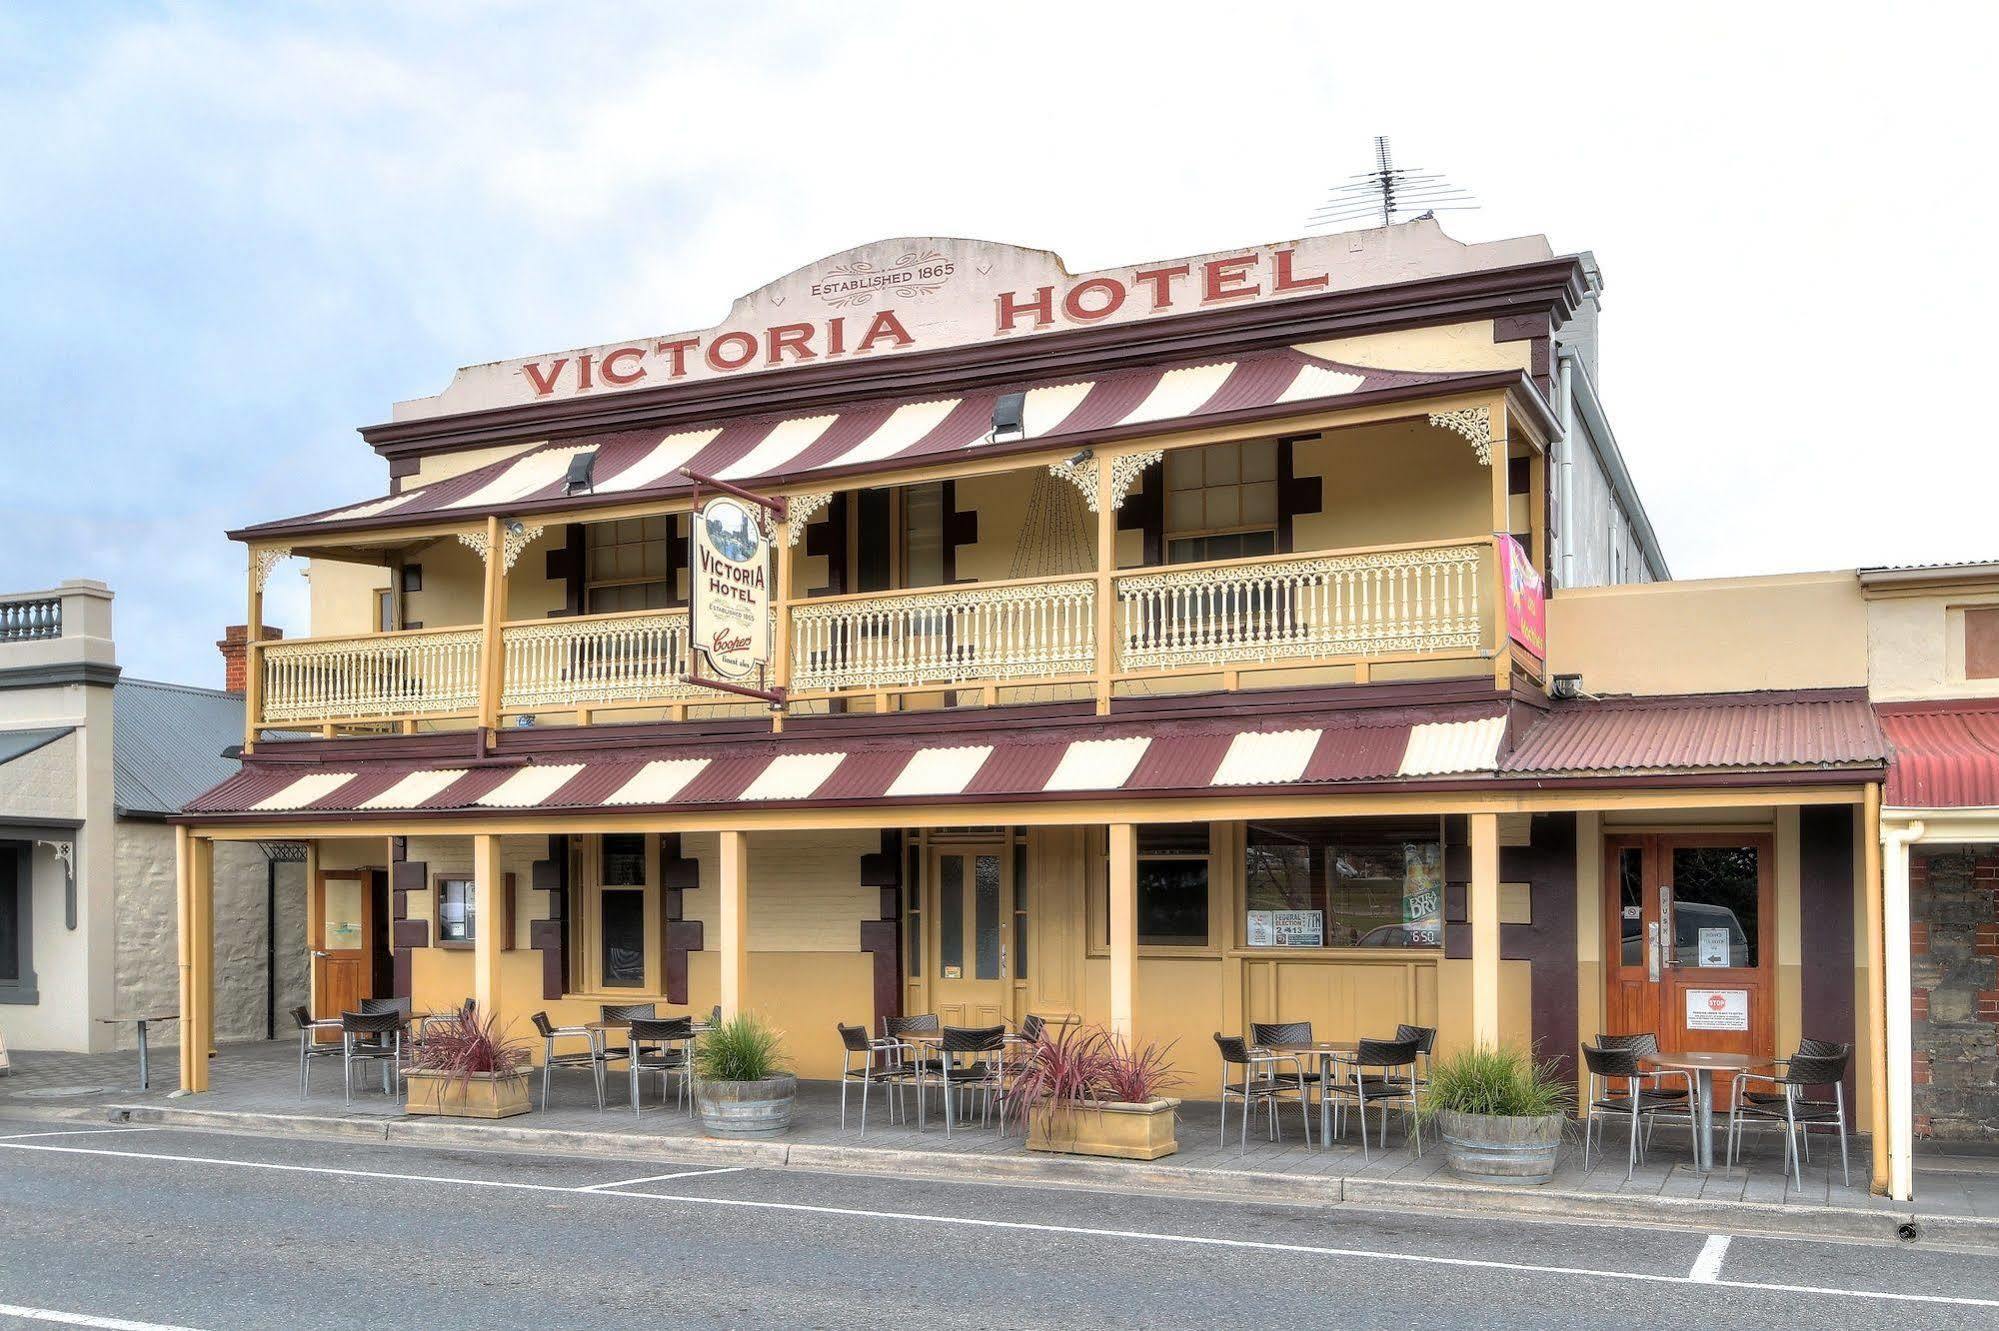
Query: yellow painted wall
[[1392, 483], [1797, 631], [443, 466], [342, 598]]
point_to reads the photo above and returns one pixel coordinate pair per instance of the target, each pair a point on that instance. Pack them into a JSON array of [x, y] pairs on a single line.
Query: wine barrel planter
[[1487, 1148], [746, 1108]]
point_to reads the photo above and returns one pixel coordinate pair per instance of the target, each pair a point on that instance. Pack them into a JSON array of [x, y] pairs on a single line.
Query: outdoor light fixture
[[579, 481], [1009, 417], [1567, 687], [514, 527], [1079, 457]]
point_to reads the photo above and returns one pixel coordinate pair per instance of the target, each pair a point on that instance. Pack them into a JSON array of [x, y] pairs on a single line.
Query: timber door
[[971, 934], [1690, 940], [343, 942]]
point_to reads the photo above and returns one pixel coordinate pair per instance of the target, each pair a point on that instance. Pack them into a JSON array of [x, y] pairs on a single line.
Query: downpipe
[[1895, 844]]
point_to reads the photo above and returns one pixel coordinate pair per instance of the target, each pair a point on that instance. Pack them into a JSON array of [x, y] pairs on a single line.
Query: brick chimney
[[236, 676]]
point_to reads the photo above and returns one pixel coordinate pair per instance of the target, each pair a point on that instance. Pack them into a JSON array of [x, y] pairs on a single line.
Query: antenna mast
[[1389, 193]]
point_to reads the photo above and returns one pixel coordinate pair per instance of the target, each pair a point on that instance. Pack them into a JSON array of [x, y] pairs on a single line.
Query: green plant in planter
[[1501, 1081], [742, 1048], [462, 1046]]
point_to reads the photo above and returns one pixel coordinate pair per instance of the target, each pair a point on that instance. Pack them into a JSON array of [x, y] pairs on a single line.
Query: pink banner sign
[[1526, 600]]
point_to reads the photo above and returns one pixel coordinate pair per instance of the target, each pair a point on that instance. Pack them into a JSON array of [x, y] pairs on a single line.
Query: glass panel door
[[973, 910]]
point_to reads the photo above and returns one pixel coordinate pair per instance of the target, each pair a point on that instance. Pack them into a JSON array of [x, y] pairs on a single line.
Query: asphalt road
[[139, 1228]]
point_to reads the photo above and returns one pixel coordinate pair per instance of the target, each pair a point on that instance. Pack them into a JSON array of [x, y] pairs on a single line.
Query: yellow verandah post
[[733, 881], [1484, 911], [488, 943], [1124, 926], [194, 883]]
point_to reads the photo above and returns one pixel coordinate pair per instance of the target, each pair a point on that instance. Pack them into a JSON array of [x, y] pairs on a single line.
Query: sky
[[231, 235]]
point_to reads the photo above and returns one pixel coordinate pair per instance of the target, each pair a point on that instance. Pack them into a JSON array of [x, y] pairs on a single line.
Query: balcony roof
[[786, 451]]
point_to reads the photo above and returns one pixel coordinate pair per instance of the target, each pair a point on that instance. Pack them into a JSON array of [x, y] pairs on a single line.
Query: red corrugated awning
[[1946, 754], [1709, 732]]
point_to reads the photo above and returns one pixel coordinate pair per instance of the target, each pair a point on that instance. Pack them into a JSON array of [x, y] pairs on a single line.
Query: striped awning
[[767, 450], [1354, 746]]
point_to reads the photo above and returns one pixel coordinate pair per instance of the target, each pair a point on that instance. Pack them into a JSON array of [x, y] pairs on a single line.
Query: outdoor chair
[[1260, 1083], [310, 1048], [910, 1056], [877, 1067], [983, 1048], [1638, 1102], [551, 1058], [1659, 1080], [370, 1037], [1391, 1086], [1426, 1043], [627, 1011], [1263, 1034], [661, 1045], [1786, 1103], [376, 1006]]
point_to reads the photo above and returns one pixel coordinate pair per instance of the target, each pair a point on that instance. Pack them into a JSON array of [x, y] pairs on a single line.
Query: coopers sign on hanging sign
[[730, 619]]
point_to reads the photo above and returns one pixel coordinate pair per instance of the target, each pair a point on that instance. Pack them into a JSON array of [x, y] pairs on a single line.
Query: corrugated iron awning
[[1714, 732], [1946, 754]]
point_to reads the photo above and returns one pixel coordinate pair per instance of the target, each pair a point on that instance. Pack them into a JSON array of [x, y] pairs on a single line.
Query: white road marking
[[71, 1132], [1707, 1266], [84, 1319], [1028, 1226], [661, 1178]]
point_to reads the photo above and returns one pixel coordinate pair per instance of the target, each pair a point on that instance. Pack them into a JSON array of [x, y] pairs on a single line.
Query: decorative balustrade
[[417, 672], [1393, 600], [31, 620], [984, 633], [596, 659]]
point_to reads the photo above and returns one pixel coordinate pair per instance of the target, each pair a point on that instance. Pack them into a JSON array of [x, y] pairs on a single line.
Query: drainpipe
[[1566, 463], [270, 948], [1895, 979]]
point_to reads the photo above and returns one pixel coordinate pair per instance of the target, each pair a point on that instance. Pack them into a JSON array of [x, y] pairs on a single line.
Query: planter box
[[481, 1095], [1488, 1148], [746, 1108], [1120, 1131]]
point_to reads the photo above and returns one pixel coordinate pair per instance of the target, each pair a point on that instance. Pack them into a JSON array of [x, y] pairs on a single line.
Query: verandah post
[[733, 881], [1484, 913], [195, 884], [488, 944], [1123, 926]]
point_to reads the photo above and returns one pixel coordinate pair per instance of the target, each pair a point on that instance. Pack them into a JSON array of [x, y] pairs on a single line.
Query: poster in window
[[1714, 947], [1298, 928], [1717, 1009], [1423, 893], [1262, 930], [731, 603]]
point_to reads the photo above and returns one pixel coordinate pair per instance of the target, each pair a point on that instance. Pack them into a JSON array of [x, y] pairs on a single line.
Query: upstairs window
[[1221, 502], [1981, 642], [626, 565]]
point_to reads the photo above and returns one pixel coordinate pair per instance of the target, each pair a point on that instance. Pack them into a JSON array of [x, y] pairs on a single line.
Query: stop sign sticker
[[1717, 1009]]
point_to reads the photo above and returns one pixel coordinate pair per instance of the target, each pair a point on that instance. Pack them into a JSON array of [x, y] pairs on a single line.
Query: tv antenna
[[1389, 194]]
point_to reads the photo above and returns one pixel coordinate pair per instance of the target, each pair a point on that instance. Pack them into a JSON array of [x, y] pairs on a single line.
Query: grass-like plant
[[1499, 1080], [1087, 1065], [743, 1048], [463, 1046]]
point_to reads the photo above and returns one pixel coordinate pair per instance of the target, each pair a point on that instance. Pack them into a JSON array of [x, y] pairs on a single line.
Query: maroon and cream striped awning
[[960, 764], [790, 449]]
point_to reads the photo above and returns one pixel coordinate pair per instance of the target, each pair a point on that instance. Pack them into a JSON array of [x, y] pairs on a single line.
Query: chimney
[[235, 674]]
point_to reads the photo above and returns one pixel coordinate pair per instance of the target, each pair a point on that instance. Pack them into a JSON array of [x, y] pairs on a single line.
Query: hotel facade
[[1270, 634]]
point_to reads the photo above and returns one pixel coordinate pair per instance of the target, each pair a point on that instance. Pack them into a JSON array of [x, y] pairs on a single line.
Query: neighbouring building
[[1269, 634], [92, 764]]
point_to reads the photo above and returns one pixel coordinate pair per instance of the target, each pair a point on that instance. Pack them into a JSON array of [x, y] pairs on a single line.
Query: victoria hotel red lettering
[[1159, 290]]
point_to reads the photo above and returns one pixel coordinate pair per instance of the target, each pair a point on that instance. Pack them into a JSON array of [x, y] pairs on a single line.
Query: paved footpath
[[164, 1227]]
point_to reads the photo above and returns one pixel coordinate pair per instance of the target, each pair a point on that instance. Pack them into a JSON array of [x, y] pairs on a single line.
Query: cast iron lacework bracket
[[800, 512], [1125, 469], [266, 559], [1474, 423], [512, 542]]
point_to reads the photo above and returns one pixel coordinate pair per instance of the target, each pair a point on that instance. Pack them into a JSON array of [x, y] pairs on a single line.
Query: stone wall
[[148, 961], [1954, 941]]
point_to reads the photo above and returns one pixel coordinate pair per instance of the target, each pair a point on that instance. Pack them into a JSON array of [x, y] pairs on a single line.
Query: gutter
[[1613, 463]]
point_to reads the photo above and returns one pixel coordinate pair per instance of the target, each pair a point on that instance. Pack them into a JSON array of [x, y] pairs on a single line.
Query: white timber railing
[[625, 657], [416, 672], [994, 632], [1400, 599]]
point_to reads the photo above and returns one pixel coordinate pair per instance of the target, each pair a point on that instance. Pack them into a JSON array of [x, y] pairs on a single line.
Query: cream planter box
[[479, 1095], [1121, 1131]]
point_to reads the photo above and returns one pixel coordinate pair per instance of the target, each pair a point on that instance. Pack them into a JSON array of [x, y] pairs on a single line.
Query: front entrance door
[[971, 934], [1690, 937], [343, 941]]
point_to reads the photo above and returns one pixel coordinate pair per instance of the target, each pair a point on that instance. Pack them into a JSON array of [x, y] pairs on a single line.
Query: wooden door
[[1691, 936], [342, 940], [971, 935]]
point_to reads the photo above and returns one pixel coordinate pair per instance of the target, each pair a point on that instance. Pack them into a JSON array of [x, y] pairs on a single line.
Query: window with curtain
[[625, 565], [457, 921], [1221, 501]]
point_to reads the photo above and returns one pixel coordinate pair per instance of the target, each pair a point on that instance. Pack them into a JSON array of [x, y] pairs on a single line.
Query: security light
[[578, 480], [1009, 417]]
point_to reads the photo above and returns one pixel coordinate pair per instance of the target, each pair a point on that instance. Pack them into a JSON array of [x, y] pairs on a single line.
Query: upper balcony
[[1319, 545]]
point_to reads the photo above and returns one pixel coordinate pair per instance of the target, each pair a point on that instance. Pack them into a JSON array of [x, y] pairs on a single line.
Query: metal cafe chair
[[661, 1045], [1645, 1044], [309, 1048], [984, 1047], [1260, 1084], [375, 1006], [1786, 1102], [551, 1058], [877, 1067], [370, 1037], [909, 1056], [1388, 1088], [1426, 1043], [1638, 1102]]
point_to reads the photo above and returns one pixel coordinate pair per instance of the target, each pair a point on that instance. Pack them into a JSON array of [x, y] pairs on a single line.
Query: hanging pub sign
[[731, 602], [1526, 600]]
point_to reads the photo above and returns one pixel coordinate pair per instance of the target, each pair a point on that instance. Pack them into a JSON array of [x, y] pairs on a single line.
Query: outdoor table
[[1327, 1052], [1703, 1066], [145, 1067], [595, 1031]]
